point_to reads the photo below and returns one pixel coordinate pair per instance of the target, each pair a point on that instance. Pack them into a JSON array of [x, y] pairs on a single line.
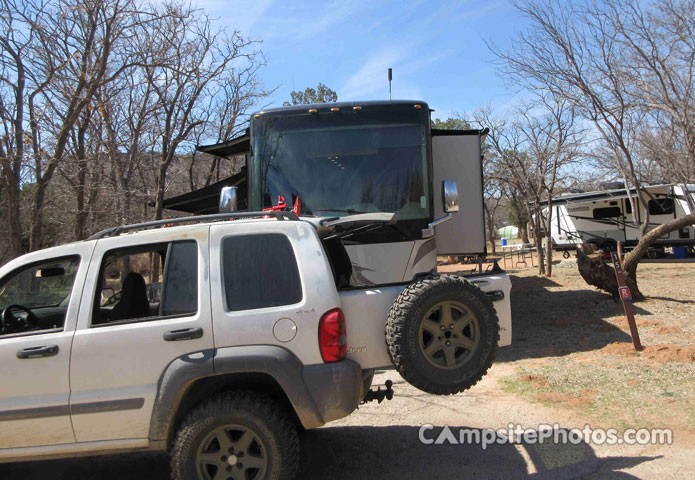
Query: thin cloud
[[371, 78], [310, 20], [242, 15], [412, 57]]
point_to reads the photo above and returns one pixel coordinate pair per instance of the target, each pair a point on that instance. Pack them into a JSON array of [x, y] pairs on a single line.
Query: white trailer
[[606, 217]]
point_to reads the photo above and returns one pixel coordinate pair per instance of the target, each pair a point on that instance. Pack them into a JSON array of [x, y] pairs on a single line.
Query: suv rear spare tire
[[442, 334], [240, 435]]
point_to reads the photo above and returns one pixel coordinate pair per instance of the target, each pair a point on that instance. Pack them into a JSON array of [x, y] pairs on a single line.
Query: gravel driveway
[[381, 441]]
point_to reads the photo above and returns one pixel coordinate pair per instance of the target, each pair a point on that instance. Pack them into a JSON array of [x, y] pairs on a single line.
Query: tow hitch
[[379, 395]]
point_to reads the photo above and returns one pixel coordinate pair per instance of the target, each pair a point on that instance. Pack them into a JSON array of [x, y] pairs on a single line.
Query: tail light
[[332, 336]]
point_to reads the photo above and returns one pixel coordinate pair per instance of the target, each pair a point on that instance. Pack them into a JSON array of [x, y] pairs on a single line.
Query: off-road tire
[[403, 330], [266, 417]]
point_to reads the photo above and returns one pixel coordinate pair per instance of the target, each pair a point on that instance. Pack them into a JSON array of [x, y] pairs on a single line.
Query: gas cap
[[284, 330]]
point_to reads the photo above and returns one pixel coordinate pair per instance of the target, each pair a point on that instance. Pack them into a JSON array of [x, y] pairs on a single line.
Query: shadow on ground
[[669, 299], [395, 452], [549, 323]]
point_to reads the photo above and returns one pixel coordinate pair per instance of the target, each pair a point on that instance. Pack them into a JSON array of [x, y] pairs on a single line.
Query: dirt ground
[[573, 347], [571, 363]]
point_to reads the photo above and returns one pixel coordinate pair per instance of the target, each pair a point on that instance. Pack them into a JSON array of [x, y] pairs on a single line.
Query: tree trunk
[[538, 240], [491, 235], [548, 254], [632, 259], [80, 187], [14, 221], [549, 241], [597, 273], [161, 185], [523, 231], [81, 214], [601, 274], [37, 217], [490, 226]]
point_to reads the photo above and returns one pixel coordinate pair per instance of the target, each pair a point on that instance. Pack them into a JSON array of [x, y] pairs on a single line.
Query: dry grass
[[572, 347]]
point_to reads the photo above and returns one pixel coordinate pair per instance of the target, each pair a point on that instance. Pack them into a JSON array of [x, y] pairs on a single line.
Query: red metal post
[[626, 297]]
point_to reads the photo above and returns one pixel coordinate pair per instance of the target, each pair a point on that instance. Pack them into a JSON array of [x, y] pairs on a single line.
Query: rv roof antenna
[[390, 78]]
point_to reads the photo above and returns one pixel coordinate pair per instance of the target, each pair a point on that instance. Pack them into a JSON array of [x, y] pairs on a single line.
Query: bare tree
[[511, 166], [552, 144], [20, 85], [110, 94], [603, 59], [233, 95], [82, 171], [659, 45], [530, 152], [55, 57], [493, 201], [194, 57]]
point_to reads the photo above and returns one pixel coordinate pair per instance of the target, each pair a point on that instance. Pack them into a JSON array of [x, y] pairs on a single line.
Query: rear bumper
[[336, 388], [318, 393], [499, 287]]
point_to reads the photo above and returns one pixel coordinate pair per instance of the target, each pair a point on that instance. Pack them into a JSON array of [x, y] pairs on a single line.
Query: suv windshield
[[344, 163]]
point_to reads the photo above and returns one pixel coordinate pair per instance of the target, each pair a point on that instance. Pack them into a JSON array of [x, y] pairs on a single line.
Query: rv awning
[[482, 132], [206, 200], [592, 196], [235, 146], [602, 195]]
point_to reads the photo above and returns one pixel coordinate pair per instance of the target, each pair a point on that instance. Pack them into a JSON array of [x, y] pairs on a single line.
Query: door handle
[[183, 334], [38, 352]]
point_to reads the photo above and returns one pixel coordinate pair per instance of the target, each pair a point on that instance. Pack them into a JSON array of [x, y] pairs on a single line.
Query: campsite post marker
[[626, 297]]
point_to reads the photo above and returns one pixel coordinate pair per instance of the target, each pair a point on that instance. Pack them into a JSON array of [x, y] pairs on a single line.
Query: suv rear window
[[259, 271]]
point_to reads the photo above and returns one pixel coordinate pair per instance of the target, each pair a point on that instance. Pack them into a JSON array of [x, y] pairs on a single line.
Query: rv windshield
[[343, 163]]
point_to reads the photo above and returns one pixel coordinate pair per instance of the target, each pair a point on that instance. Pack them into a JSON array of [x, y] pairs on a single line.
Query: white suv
[[213, 340]]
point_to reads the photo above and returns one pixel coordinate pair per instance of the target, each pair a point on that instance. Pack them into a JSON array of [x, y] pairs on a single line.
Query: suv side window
[[147, 282], [37, 296], [259, 271]]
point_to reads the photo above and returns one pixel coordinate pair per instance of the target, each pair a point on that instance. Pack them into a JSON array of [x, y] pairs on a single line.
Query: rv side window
[[661, 206], [606, 212]]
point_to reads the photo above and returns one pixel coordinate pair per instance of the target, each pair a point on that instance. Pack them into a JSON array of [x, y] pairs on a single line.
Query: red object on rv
[[282, 205]]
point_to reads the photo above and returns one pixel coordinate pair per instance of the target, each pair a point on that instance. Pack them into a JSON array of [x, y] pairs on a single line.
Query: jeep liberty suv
[[214, 340]]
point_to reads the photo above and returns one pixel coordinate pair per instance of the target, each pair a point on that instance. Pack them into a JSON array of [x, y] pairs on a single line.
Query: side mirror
[[450, 202], [450, 196], [228, 199]]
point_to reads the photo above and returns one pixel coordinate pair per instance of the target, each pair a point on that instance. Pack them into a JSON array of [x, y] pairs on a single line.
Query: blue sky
[[436, 48]]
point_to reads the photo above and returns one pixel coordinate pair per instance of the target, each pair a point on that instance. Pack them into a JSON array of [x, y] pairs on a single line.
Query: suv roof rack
[[115, 231]]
